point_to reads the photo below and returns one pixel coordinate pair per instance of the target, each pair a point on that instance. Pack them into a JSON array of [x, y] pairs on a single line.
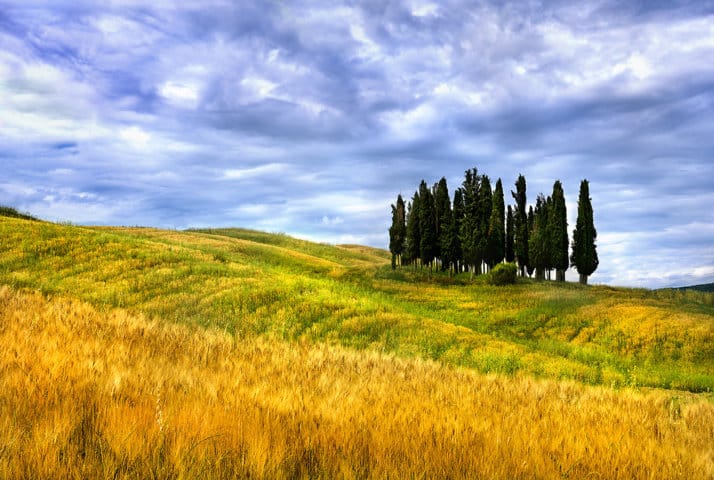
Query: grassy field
[[233, 352]]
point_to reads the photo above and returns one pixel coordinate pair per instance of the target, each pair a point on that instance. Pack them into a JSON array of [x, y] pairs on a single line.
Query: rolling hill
[[205, 352]]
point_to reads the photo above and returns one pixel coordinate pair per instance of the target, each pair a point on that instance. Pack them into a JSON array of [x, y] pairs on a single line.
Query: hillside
[[251, 283], [705, 287], [142, 353]]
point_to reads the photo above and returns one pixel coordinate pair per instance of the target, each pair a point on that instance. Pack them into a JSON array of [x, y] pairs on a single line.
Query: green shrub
[[503, 274]]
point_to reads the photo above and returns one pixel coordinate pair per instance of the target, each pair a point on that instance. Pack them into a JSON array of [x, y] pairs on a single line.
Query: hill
[[143, 353], [251, 283], [13, 213], [706, 287]]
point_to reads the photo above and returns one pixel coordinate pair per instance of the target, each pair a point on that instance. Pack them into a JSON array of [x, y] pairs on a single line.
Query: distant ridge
[[705, 287]]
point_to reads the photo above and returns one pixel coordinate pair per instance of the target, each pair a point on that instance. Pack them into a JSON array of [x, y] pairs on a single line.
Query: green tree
[[496, 228], [521, 224], [584, 257], [442, 217], [538, 240], [469, 230], [558, 224], [413, 230], [510, 254], [429, 242], [398, 231], [530, 222], [458, 216], [485, 205]]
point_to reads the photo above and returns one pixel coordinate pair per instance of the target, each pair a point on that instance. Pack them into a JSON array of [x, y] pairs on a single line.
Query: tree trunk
[[560, 275], [583, 279]]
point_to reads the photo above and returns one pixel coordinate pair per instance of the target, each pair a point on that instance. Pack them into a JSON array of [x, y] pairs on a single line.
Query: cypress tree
[[485, 204], [521, 224], [397, 232], [584, 257], [458, 216], [496, 228], [469, 224], [558, 224], [546, 237], [413, 230], [510, 254], [446, 240], [539, 241], [428, 245], [442, 213], [530, 222]]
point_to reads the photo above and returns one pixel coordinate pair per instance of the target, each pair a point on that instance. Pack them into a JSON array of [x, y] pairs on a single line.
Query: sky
[[308, 117]]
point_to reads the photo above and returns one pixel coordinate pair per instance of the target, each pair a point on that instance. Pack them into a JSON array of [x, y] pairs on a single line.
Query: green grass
[[253, 283]]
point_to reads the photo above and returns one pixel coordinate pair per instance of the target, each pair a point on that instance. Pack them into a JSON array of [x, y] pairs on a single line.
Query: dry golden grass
[[89, 394]]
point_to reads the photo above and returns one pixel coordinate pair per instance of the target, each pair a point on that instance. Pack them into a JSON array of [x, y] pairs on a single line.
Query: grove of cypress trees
[[584, 257], [476, 230]]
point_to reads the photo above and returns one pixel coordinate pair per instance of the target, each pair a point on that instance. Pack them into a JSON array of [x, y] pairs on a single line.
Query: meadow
[[141, 353]]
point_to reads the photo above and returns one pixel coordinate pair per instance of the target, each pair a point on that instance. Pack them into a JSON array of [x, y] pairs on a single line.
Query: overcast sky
[[309, 117]]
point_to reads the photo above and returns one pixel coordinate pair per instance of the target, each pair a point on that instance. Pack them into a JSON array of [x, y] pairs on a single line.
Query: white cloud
[[269, 169], [179, 93], [135, 136]]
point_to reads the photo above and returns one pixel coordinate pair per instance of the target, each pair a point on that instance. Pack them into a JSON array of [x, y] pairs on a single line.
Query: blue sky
[[309, 117]]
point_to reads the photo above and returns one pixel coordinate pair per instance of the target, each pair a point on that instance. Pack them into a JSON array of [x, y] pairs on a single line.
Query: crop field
[[142, 353]]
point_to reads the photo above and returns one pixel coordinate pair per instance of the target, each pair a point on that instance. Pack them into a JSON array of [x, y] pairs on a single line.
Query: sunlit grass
[[250, 283], [86, 393]]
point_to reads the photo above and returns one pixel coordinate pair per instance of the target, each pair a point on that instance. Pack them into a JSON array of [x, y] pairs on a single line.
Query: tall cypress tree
[[413, 230], [521, 224], [558, 225], [447, 245], [538, 240], [458, 216], [485, 204], [584, 257], [429, 242], [442, 214], [398, 231], [510, 254], [496, 228], [469, 224], [530, 222]]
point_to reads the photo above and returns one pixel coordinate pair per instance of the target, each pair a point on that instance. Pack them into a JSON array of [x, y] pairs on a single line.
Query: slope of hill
[[250, 283], [705, 287], [13, 213], [142, 353]]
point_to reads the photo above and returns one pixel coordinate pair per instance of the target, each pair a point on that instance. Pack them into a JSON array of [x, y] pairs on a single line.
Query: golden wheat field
[[88, 394], [142, 353]]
